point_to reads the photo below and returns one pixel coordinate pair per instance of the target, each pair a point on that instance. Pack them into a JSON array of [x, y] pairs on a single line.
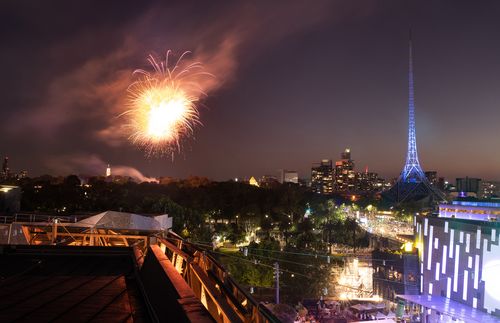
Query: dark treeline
[[201, 208]]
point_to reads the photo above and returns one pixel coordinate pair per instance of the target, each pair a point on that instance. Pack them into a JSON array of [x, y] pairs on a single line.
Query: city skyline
[[341, 71]]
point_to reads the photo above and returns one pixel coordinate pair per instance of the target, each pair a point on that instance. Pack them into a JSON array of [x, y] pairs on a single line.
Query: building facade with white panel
[[459, 260]]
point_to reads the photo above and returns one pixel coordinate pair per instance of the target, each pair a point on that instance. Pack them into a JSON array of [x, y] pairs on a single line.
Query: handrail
[[28, 217], [178, 251], [200, 267]]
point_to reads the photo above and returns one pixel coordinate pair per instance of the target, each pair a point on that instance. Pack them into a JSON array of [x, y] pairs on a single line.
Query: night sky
[[296, 81]]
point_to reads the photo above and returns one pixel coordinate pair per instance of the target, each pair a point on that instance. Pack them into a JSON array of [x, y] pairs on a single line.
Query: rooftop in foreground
[[106, 284], [452, 308], [61, 283]]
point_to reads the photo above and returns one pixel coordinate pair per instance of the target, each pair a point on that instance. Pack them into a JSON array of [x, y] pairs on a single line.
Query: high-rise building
[[436, 181], [346, 154], [489, 189], [345, 176], [108, 171], [322, 177], [369, 181], [432, 177], [468, 186], [5, 168]]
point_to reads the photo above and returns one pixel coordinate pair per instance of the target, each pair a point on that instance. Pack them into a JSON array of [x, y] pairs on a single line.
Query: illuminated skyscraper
[[322, 177], [108, 171], [368, 181], [345, 176], [346, 154]]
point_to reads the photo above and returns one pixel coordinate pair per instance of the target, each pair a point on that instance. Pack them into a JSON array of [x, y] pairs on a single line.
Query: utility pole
[[277, 277], [54, 230]]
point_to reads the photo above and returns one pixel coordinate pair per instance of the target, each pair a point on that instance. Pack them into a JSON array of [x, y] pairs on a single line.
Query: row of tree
[[233, 210]]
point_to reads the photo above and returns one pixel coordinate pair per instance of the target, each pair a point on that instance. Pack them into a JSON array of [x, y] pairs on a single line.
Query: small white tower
[[108, 171]]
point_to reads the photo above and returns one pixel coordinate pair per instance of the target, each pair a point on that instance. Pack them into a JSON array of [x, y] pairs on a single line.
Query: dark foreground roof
[[65, 284], [83, 284]]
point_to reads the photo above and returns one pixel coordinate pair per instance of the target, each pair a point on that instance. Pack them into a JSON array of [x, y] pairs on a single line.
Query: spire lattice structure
[[412, 184], [412, 172]]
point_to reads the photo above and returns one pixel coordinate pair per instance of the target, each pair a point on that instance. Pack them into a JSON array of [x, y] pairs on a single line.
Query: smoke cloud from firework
[[92, 165], [73, 88], [91, 90]]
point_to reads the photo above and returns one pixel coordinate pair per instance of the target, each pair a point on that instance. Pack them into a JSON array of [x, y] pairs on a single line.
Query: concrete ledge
[[170, 297]]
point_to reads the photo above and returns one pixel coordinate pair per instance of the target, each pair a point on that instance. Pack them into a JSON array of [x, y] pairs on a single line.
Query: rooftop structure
[[472, 209], [439, 309], [115, 267], [108, 228], [61, 284]]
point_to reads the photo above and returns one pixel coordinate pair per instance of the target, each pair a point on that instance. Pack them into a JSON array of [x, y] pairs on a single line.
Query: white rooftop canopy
[[126, 221]]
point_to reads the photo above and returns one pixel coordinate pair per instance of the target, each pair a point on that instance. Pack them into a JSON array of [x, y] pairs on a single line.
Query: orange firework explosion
[[163, 104]]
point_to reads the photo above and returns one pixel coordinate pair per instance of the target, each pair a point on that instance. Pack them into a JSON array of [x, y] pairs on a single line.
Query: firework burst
[[163, 104]]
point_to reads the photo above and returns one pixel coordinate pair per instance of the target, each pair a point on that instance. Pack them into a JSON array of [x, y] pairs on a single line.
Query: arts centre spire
[[412, 184]]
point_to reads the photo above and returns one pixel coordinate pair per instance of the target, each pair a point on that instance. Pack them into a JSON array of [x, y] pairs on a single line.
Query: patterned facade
[[460, 259]]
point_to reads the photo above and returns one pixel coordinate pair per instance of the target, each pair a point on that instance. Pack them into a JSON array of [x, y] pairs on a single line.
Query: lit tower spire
[[412, 185], [412, 172]]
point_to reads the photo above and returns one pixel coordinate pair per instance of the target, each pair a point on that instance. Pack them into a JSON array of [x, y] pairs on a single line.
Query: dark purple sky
[[297, 81]]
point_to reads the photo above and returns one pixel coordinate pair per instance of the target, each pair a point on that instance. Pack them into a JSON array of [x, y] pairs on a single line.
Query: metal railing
[[28, 217], [222, 296]]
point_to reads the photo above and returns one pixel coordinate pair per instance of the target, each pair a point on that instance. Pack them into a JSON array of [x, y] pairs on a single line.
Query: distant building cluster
[[327, 178], [434, 180], [289, 176], [8, 174], [474, 187], [269, 181]]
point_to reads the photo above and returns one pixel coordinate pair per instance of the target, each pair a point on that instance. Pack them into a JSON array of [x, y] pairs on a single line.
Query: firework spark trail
[[164, 104]]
